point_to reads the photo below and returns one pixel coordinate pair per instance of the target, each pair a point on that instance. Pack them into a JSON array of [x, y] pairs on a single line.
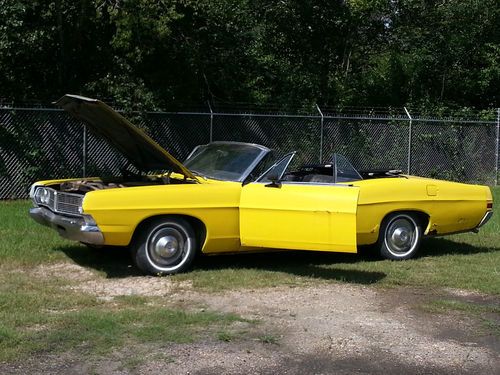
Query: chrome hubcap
[[401, 236], [166, 246]]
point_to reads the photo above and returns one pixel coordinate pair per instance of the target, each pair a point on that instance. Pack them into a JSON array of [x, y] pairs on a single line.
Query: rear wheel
[[400, 236], [164, 246]]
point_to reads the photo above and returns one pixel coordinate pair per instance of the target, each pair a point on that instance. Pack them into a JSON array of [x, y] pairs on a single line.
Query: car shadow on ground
[[439, 246], [297, 263], [117, 263]]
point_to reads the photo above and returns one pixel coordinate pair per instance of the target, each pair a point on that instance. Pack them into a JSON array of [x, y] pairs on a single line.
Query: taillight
[[489, 205]]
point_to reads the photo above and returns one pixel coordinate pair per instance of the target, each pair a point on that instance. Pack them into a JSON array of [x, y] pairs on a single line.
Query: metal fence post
[[497, 145], [321, 134], [84, 151], [211, 120], [409, 140]]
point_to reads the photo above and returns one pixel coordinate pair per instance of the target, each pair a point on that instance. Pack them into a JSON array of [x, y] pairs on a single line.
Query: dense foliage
[[159, 53]]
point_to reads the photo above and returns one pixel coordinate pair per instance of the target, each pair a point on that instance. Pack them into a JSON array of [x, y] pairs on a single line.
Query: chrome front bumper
[[72, 228]]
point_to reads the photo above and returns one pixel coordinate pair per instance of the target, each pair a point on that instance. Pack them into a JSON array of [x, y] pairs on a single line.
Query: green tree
[[146, 54]]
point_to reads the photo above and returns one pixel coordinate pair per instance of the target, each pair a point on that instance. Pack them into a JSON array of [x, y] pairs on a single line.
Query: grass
[[22, 244], [487, 313], [269, 339], [225, 336], [40, 314]]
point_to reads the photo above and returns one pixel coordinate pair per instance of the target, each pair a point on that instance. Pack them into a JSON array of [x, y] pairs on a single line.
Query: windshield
[[225, 161]]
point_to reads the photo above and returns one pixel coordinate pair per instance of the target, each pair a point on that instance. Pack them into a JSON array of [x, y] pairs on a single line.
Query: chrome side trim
[[72, 228]]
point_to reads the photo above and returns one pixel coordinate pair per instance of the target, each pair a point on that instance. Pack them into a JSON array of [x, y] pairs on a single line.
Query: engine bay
[[84, 186]]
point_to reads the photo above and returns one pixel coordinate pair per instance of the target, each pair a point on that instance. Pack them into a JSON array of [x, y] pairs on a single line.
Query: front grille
[[64, 203], [68, 203]]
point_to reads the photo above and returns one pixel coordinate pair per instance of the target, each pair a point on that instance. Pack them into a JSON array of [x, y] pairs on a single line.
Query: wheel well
[[198, 226], [422, 217]]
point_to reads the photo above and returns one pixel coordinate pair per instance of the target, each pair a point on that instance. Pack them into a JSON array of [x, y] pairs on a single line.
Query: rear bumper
[[487, 216], [72, 228]]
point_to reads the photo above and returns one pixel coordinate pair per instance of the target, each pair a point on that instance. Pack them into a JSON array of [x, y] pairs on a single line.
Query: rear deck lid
[[139, 149]]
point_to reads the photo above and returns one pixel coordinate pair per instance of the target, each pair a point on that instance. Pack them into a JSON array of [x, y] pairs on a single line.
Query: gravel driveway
[[325, 329]]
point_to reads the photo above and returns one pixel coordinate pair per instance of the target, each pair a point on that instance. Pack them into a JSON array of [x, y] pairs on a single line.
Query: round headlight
[[45, 196], [38, 194]]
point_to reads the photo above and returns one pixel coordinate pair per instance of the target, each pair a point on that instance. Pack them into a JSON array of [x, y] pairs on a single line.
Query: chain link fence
[[38, 143]]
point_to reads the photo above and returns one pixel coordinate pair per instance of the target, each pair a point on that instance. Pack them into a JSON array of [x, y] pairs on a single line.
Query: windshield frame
[[263, 151], [287, 159]]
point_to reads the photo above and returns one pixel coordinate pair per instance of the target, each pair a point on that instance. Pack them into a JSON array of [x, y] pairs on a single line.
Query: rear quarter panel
[[450, 206]]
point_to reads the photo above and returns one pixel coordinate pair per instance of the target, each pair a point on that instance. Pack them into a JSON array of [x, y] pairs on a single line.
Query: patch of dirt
[[67, 271], [463, 293], [474, 297], [339, 323], [104, 288], [323, 329]]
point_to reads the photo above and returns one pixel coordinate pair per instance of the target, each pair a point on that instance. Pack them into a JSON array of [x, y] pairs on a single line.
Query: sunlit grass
[[38, 315], [486, 313], [23, 243]]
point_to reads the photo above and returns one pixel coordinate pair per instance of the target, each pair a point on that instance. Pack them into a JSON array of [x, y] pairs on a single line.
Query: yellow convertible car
[[233, 197]]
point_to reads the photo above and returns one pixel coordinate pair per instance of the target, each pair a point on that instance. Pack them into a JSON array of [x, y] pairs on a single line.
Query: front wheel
[[400, 236], [164, 247]]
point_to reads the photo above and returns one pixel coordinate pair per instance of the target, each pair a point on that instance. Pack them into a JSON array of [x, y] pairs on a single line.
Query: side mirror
[[275, 181]]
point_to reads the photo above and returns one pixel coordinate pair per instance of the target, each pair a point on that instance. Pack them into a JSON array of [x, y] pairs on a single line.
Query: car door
[[302, 216]]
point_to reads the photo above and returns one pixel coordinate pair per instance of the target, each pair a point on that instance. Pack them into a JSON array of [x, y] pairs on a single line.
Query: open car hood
[[140, 150]]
